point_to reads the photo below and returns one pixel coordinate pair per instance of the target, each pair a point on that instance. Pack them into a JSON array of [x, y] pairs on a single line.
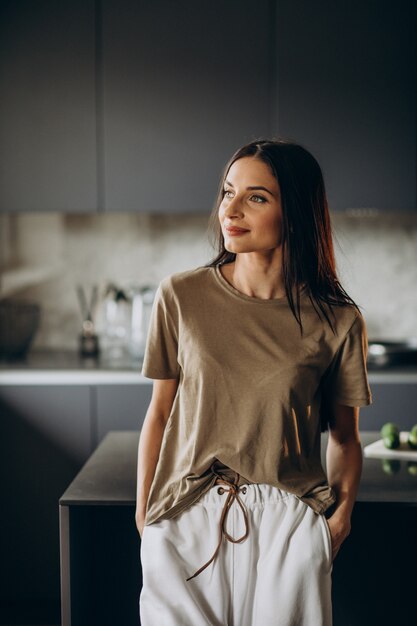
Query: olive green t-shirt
[[251, 391]]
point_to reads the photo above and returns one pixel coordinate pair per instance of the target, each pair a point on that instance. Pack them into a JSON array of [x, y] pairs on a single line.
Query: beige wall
[[44, 256]]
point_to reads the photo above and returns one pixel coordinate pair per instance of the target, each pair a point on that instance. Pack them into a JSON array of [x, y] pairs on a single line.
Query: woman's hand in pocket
[[140, 523], [339, 529]]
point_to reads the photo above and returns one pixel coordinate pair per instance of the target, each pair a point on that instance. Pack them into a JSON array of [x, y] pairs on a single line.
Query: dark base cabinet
[[120, 407], [374, 579], [32, 613], [44, 441], [47, 432], [106, 576]]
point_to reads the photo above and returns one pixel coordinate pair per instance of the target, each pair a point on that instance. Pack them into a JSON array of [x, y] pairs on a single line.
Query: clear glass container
[[142, 298]]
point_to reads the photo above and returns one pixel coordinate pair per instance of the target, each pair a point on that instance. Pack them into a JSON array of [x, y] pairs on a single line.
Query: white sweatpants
[[279, 575]]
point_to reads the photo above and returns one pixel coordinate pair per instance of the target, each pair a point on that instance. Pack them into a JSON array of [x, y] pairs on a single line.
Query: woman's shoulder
[[186, 281], [348, 318], [342, 313]]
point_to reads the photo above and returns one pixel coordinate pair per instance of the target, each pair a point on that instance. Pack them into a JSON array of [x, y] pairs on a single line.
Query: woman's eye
[[259, 199], [228, 193]]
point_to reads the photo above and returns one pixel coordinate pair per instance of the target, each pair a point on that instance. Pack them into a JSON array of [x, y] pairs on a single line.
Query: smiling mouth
[[236, 230]]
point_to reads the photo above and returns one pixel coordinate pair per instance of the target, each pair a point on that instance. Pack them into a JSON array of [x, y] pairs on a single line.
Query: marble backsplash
[[45, 255]]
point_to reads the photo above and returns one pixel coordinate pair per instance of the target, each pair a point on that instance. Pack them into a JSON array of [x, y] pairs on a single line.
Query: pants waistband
[[233, 489], [254, 493]]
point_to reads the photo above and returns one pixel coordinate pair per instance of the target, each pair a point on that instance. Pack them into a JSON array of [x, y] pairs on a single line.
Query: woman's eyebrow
[[226, 182]]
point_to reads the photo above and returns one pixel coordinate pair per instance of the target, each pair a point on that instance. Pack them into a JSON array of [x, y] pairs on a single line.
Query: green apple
[[392, 441], [388, 429], [412, 438]]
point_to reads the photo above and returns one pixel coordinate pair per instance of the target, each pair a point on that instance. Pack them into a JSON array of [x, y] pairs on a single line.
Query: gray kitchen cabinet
[[184, 85], [137, 106], [45, 439], [47, 106], [392, 402], [346, 84], [121, 408]]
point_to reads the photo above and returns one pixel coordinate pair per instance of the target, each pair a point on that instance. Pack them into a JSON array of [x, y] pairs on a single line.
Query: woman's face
[[252, 201]]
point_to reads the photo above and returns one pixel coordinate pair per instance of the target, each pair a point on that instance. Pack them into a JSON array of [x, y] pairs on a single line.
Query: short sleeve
[[346, 379], [161, 350]]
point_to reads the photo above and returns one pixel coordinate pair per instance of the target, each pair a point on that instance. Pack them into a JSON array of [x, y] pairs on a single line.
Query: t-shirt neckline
[[243, 296]]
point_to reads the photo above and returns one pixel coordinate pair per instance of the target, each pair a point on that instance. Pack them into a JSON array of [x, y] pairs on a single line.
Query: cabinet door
[[47, 106], [392, 402], [185, 85], [121, 407], [346, 75], [45, 439]]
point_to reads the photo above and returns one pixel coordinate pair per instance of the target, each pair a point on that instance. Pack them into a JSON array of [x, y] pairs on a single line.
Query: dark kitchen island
[[373, 574]]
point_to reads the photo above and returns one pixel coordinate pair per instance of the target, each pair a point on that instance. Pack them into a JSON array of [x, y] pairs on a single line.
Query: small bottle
[[88, 340]]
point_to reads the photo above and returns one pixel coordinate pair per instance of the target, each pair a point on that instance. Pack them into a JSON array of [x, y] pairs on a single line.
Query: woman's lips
[[236, 231]]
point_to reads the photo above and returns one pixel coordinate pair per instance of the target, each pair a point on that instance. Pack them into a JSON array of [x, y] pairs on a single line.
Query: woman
[[253, 356]]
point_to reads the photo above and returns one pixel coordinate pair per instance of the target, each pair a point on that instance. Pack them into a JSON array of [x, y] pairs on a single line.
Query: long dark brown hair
[[307, 242]]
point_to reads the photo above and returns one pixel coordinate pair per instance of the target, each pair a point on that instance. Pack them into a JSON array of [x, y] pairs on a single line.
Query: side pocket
[[144, 531], [329, 546]]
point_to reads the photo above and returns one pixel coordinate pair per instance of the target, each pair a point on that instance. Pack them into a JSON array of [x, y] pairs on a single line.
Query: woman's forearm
[[344, 468], [149, 448]]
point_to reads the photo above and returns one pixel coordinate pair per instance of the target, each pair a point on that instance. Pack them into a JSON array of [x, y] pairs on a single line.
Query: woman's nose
[[233, 207]]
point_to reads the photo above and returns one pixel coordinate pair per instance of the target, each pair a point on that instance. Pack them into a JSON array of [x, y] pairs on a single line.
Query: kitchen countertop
[[109, 476], [67, 367]]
